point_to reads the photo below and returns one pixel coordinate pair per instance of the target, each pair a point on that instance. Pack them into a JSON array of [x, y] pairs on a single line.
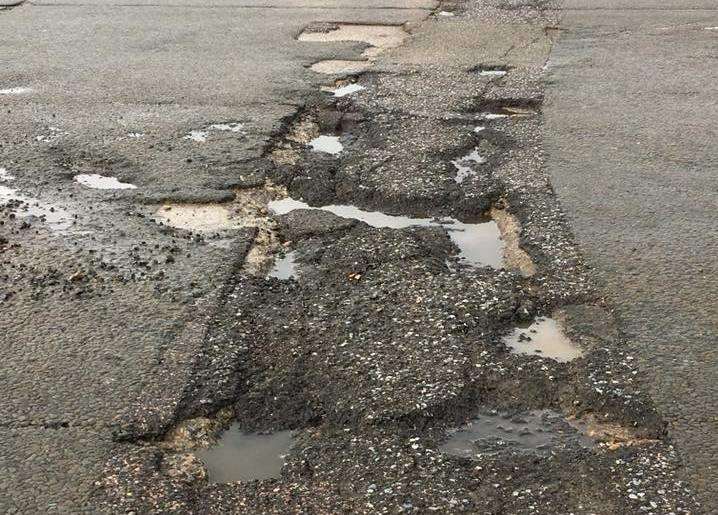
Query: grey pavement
[[631, 139], [101, 338]]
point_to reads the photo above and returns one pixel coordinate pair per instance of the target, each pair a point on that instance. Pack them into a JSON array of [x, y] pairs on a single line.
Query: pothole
[[535, 431], [285, 267], [22, 206], [240, 456], [21, 90], [479, 244], [327, 144], [463, 165], [340, 67], [100, 182], [380, 37], [543, 337]]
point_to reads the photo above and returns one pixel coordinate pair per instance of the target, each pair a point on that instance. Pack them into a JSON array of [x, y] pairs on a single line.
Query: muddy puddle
[[543, 337], [535, 431], [380, 37], [327, 144], [285, 267], [101, 182], [27, 207], [465, 165], [479, 244], [240, 456], [340, 67]]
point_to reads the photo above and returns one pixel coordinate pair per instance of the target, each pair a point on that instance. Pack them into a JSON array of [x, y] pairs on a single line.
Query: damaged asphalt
[[148, 325]]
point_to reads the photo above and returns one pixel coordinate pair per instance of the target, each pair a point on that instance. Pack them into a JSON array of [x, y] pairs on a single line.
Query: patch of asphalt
[[381, 347]]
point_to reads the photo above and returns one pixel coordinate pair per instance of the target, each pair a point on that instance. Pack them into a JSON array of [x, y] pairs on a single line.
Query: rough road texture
[[633, 158], [147, 339]]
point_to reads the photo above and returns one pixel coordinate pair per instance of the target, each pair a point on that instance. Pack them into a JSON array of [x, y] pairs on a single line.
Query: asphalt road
[[630, 134], [110, 316]]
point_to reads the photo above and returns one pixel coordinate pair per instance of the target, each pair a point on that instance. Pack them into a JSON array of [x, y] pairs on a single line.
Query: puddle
[[16, 91], [545, 338], [285, 267], [349, 89], [378, 36], [479, 128], [100, 182], [464, 167], [5, 175], [494, 116], [492, 73], [446, 13], [198, 136], [240, 456], [479, 244], [537, 430], [340, 67], [135, 135], [227, 127], [24, 207], [327, 144], [197, 217]]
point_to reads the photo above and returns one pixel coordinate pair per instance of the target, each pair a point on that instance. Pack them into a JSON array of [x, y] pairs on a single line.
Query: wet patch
[[16, 91], [536, 431], [100, 182], [479, 244], [464, 165], [545, 338], [240, 456], [380, 37], [285, 267], [327, 144], [340, 67], [27, 207]]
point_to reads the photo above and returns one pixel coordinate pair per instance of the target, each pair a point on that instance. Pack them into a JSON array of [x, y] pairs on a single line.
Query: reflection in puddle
[[545, 338], [347, 90], [340, 67], [240, 456], [16, 91], [463, 165], [100, 182], [26, 207], [479, 244], [327, 144], [285, 267], [534, 431]]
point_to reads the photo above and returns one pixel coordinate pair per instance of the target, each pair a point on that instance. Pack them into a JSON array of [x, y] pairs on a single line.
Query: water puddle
[[534, 431], [545, 338], [327, 144], [285, 267], [480, 244], [100, 182], [240, 456], [340, 67], [380, 37], [135, 135], [492, 72], [5, 175], [446, 13], [464, 165], [197, 217], [26, 207], [479, 128], [494, 116], [197, 136], [16, 91], [349, 89]]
